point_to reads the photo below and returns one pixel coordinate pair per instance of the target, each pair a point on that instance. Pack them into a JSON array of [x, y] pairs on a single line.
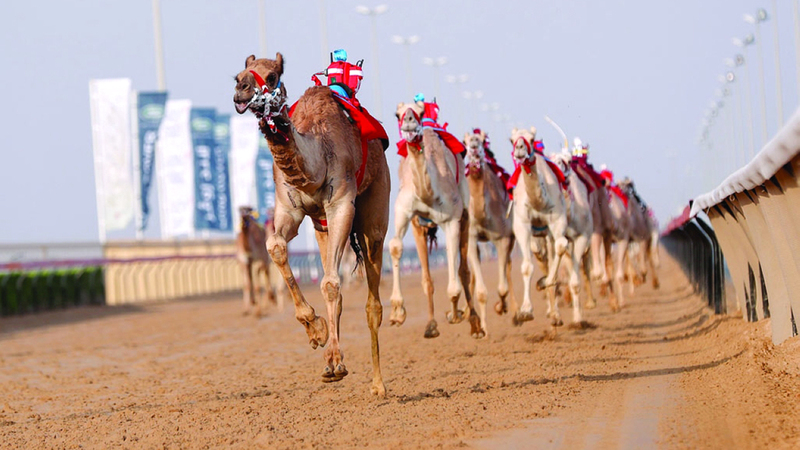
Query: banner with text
[[222, 150], [211, 212], [150, 111]]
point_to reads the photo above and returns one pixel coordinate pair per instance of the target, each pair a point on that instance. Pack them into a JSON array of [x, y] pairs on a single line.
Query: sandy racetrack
[[197, 374]]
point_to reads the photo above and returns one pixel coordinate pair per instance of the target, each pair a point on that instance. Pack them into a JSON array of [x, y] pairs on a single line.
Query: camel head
[[259, 87], [247, 215], [475, 143], [562, 160], [626, 184], [522, 140], [409, 117]]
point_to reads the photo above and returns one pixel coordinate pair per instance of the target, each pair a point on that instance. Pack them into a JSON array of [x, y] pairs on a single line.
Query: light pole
[[436, 63], [373, 13], [796, 14], [761, 16], [262, 27], [407, 42], [161, 77], [778, 83], [742, 60], [458, 79]]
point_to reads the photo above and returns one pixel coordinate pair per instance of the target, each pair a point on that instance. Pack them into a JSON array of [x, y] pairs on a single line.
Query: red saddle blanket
[[583, 170], [518, 168], [369, 127], [449, 140], [618, 192]]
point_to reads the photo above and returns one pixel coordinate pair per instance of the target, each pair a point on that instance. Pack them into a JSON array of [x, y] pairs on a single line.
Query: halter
[[418, 138], [530, 159], [269, 104]]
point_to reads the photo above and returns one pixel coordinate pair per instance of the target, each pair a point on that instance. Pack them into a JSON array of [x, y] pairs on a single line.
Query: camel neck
[[533, 185], [477, 192], [300, 158], [420, 172]]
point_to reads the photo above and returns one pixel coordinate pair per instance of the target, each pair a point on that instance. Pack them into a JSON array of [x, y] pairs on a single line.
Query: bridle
[[418, 136], [268, 104], [529, 159]]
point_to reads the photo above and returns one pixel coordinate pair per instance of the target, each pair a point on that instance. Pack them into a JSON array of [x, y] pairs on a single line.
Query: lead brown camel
[[318, 159]]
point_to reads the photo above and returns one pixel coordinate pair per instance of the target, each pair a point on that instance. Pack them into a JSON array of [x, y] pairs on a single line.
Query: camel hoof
[[398, 316], [459, 317], [477, 331], [556, 322], [317, 331], [541, 284], [656, 284], [378, 389], [431, 331], [330, 376], [591, 304], [521, 317], [500, 308]]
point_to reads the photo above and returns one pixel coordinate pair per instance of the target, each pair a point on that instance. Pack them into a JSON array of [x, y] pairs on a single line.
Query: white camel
[[539, 210], [488, 204], [433, 193]]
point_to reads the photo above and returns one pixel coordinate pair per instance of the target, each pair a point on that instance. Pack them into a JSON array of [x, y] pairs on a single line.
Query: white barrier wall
[[755, 213]]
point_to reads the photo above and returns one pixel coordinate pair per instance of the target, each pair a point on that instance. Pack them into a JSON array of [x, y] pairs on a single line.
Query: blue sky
[[633, 78]]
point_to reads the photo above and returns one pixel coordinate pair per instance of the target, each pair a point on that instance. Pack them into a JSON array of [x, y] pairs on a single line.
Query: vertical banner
[[265, 182], [110, 106], [150, 111], [244, 147], [211, 204], [174, 169], [222, 148]]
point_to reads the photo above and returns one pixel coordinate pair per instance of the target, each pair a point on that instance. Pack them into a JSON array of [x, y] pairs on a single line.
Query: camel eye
[[271, 79]]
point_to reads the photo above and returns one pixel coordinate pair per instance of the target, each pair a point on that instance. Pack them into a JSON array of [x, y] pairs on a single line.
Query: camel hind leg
[[505, 290], [477, 285], [420, 239], [248, 295], [477, 330]]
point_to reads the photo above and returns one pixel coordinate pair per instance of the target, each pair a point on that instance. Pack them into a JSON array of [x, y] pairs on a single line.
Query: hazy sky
[[633, 78]]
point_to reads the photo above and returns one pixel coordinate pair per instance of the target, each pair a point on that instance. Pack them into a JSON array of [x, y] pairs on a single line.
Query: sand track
[[197, 374]]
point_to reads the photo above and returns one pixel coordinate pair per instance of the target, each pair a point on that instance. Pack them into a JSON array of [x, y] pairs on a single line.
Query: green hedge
[[41, 290]]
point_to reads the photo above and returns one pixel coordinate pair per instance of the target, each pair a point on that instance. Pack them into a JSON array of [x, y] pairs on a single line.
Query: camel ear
[[466, 138], [483, 135], [533, 130], [279, 60], [249, 61]]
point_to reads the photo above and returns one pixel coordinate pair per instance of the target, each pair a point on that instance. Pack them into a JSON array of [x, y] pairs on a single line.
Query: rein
[[269, 104]]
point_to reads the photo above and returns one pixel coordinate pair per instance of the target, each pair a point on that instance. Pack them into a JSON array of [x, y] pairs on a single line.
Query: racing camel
[[433, 193], [540, 218], [488, 204], [251, 250], [325, 168]]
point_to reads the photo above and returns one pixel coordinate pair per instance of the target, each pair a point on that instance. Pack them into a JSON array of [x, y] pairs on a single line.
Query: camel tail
[[357, 250]]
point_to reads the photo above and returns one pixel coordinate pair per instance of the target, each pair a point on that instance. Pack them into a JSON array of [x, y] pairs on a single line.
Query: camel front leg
[[580, 254], [340, 222], [587, 282], [454, 287], [247, 274], [652, 258], [401, 220], [269, 292], [477, 324], [522, 231], [420, 239], [554, 259], [286, 227], [598, 268], [504, 247], [619, 271]]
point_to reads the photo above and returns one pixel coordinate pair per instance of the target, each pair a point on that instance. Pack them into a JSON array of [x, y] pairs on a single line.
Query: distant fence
[[143, 271], [755, 213], [693, 244]]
